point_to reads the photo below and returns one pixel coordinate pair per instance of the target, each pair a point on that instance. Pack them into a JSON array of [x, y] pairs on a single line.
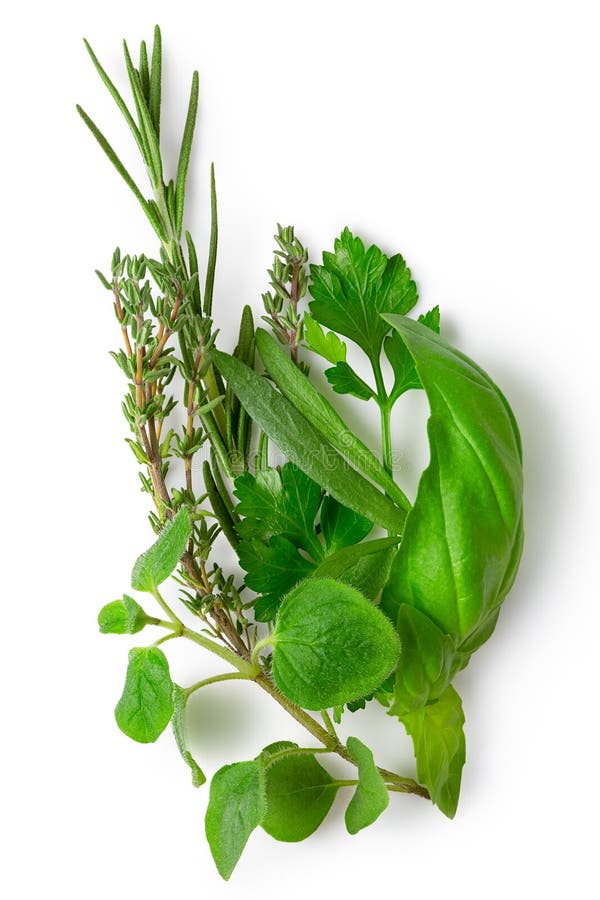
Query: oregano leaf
[[371, 797], [146, 704], [160, 560], [123, 616], [180, 698], [236, 806], [330, 645], [299, 793]]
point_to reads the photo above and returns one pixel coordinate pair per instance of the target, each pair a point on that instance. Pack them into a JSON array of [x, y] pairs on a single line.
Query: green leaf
[[354, 285], [184, 153], [155, 81], [462, 540], [303, 445], [147, 130], [299, 793], [402, 363], [427, 662], [146, 704], [330, 645], [272, 569], [212, 247], [344, 380], [322, 416], [364, 566], [180, 698], [341, 526], [160, 560], [439, 742], [327, 345], [286, 504], [122, 617], [116, 97], [236, 807], [371, 797], [154, 221]]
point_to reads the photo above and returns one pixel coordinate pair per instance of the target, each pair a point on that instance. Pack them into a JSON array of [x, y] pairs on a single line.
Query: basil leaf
[[344, 380], [342, 527], [272, 569], [426, 663], [299, 794], [371, 797], [236, 807], [122, 617], [439, 742], [303, 445], [365, 567], [330, 645], [323, 417], [285, 504], [327, 345], [160, 560], [180, 698], [462, 540], [146, 704], [354, 285]]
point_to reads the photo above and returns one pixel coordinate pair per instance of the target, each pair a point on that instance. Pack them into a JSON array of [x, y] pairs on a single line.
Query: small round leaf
[[331, 645]]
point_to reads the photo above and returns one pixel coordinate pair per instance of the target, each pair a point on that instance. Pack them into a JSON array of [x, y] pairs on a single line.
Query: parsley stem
[[385, 409]]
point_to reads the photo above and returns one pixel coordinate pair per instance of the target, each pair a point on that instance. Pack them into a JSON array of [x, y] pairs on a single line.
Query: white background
[[465, 135]]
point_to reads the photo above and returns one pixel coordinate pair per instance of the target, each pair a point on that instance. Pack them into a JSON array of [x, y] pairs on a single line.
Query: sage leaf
[[299, 793], [342, 527], [236, 807], [439, 743], [330, 645], [303, 445], [122, 617], [344, 380], [160, 560], [327, 345], [146, 704], [354, 285], [463, 536], [180, 698], [427, 662], [323, 417], [371, 797]]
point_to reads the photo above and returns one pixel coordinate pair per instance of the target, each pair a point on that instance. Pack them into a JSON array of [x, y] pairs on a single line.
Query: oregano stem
[[214, 679]]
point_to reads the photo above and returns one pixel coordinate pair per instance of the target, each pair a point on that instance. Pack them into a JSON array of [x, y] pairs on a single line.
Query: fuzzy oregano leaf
[[330, 645], [299, 793], [439, 742], [180, 698], [160, 560], [371, 797], [123, 616], [146, 704], [236, 807]]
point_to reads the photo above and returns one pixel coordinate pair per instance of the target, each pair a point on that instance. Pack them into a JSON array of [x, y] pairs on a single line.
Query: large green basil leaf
[[439, 742], [462, 539]]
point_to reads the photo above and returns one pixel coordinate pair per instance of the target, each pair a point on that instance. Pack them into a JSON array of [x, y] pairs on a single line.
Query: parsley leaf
[[354, 285], [272, 569], [344, 380], [327, 345], [405, 373]]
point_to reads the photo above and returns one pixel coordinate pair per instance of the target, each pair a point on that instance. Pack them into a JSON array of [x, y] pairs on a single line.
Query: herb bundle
[[329, 615]]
